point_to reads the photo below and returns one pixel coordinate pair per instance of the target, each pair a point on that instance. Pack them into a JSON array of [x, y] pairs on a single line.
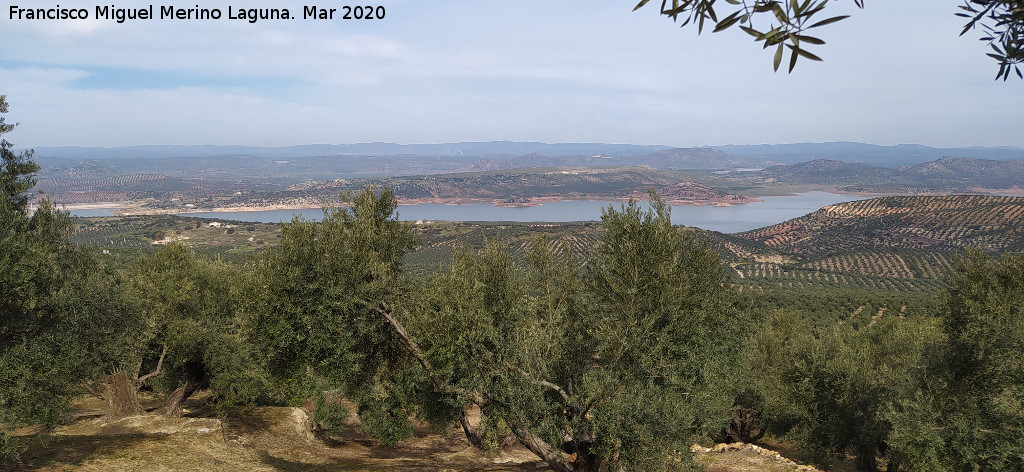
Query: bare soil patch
[[251, 440], [260, 439]]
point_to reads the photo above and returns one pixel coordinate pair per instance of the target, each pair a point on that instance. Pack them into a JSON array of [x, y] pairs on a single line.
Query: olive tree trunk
[[172, 405], [121, 390]]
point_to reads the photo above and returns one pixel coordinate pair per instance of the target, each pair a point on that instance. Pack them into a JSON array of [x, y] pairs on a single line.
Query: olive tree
[[63, 319], [830, 389], [615, 363], [969, 413], [320, 311], [786, 26], [193, 336]]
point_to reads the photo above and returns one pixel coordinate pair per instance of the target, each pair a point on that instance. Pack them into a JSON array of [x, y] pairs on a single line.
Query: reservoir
[[729, 219]]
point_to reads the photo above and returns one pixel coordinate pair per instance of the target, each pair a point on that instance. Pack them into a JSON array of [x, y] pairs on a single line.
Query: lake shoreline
[[766, 211], [135, 208], [141, 208]]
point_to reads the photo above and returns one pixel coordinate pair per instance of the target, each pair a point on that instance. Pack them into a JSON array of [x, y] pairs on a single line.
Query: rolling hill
[[901, 244], [924, 222], [890, 243], [890, 156], [947, 174]]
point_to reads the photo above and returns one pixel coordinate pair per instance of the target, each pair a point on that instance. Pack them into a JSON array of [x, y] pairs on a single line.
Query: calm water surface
[[725, 219], [93, 212]]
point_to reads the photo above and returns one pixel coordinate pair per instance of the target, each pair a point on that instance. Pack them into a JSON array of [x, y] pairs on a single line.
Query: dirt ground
[[739, 457], [278, 439]]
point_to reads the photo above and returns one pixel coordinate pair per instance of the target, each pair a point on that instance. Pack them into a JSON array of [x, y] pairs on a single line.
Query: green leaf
[[829, 21], [814, 11], [778, 57], [727, 22], [804, 53], [809, 39], [772, 37], [753, 32], [802, 11], [780, 14]]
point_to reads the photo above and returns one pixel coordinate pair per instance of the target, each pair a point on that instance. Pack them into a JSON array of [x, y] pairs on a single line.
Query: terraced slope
[[952, 222], [892, 244]]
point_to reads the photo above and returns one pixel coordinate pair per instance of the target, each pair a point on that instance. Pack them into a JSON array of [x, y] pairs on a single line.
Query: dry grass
[[250, 440], [278, 439], [739, 457]]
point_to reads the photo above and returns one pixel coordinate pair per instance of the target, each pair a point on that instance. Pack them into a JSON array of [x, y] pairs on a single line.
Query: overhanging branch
[[439, 384], [543, 383], [159, 367]]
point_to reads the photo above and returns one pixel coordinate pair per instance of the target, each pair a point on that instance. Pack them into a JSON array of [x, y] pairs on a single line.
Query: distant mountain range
[[448, 157], [206, 182], [517, 172], [886, 156], [464, 149], [943, 173]]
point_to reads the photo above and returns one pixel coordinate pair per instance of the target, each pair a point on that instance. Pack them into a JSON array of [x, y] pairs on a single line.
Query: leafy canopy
[[63, 317], [315, 309], [784, 25], [16, 170], [190, 311], [617, 362]]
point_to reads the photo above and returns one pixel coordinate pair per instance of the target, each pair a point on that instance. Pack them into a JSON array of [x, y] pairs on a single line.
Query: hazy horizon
[[461, 71], [544, 143]]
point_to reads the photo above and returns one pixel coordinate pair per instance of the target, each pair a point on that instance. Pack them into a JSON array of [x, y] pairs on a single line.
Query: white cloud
[[469, 70]]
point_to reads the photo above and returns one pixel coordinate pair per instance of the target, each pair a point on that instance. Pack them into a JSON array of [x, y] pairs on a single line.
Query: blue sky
[[443, 71]]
